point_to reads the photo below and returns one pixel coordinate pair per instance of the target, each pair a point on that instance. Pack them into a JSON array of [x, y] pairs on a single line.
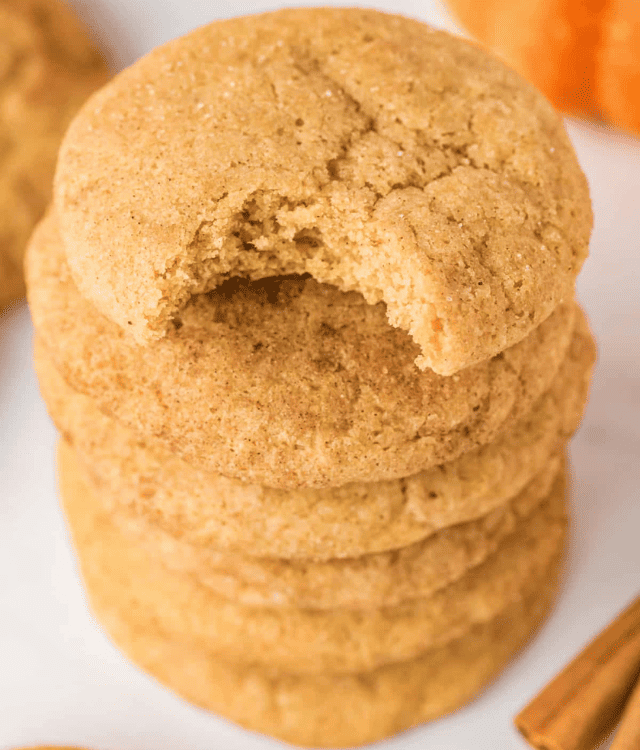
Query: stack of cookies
[[305, 320], [48, 67]]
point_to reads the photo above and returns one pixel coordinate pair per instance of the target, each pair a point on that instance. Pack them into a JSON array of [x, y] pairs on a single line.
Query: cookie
[[141, 477], [316, 710], [365, 149], [330, 710], [48, 67], [11, 280], [385, 579], [286, 383], [307, 640]]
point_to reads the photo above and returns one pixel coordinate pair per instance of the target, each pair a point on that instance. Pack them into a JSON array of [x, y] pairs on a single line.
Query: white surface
[[60, 679]]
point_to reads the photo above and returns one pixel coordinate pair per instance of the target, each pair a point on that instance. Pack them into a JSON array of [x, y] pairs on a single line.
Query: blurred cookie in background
[[48, 67]]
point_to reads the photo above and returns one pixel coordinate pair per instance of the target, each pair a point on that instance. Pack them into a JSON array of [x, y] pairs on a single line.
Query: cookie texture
[[317, 641], [286, 382], [317, 711], [48, 67], [11, 279], [385, 579], [139, 477], [311, 710], [365, 149]]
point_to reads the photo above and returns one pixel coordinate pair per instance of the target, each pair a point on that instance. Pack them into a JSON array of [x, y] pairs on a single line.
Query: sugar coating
[[380, 580], [286, 382], [140, 477], [310, 710], [365, 149], [311, 641], [48, 68]]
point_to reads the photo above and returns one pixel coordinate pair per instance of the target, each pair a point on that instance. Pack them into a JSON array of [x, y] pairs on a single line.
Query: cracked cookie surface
[[139, 477], [48, 68], [286, 382], [365, 149]]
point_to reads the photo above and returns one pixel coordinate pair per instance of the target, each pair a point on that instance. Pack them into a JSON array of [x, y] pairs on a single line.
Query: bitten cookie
[[310, 710], [368, 150], [48, 68], [286, 383], [307, 640], [140, 477]]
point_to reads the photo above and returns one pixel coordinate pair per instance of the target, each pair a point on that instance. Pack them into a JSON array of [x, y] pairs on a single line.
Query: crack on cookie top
[[344, 172], [264, 239]]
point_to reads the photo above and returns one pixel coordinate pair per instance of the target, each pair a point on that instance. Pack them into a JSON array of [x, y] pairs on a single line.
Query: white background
[[62, 682]]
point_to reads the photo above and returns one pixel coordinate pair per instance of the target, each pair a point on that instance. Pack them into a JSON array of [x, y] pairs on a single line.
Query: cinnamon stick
[[579, 708], [628, 735]]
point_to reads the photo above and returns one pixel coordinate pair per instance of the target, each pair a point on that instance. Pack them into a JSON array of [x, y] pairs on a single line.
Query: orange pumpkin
[[583, 54]]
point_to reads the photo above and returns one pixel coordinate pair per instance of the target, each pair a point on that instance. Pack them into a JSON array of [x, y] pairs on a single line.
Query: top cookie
[[365, 149], [47, 69]]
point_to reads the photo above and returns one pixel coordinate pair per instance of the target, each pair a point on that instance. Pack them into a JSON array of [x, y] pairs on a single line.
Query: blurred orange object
[[583, 54], [619, 64]]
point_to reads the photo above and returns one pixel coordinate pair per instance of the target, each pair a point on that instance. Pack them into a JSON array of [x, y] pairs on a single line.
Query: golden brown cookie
[[368, 150], [385, 579], [329, 710], [206, 510], [313, 710], [307, 640], [48, 67], [286, 383], [11, 280]]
